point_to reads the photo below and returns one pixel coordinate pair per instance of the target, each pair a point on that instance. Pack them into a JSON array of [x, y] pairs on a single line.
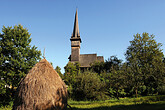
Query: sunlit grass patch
[[146, 101], [140, 103]]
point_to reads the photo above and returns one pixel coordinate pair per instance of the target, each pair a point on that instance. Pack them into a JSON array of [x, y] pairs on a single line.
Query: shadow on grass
[[128, 107]]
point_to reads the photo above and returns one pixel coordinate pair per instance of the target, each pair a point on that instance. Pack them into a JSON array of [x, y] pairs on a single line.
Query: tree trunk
[[136, 92]]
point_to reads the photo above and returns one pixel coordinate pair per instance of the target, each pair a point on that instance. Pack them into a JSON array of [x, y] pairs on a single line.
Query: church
[[84, 59]]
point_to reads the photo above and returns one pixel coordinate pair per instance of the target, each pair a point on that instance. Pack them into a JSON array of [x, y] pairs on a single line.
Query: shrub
[[88, 86]]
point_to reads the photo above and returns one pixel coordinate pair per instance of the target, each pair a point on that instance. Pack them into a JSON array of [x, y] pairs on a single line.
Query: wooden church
[[84, 59]]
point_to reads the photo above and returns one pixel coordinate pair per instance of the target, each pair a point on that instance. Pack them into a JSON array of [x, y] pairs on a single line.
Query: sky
[[106, 26]]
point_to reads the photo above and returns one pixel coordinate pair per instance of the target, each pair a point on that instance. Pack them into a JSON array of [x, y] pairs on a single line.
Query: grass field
[[141, 103]]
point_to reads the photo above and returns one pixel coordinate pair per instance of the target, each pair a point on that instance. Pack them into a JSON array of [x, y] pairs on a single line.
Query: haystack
[[41, 89]]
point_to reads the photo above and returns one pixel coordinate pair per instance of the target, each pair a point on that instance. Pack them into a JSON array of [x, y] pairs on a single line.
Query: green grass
[[140, 103], [7, 107]]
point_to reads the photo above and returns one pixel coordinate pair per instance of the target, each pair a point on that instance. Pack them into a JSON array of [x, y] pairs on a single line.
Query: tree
[[134, 74], [145, 60], [115, 76], [101, 67], [98, 67], [71, 71], [117, 84], [112, 63], [17, 56], [58, 70], [72, 68], [88, 86]]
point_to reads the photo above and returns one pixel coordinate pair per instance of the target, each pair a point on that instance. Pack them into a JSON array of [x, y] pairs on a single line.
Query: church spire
[[75, 41], [76, 33]]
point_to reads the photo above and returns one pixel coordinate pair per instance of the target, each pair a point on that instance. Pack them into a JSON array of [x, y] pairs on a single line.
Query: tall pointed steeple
[[76, 32], [75, 41]]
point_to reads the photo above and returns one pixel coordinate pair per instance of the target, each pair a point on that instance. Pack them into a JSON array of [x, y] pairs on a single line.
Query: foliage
[[135, 76], [101, 67], [145, 63], [71, 71], [113, 63], [72, 68], [16, 58], [117, 79], [161, 89], [58, 70], [88, 86], [9, 106], [97, 67]]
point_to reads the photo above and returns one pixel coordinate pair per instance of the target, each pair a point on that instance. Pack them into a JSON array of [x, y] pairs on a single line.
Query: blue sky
[[106, 26]]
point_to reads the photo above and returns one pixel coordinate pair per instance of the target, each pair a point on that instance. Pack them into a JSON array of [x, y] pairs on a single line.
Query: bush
[[161, 90], [88, 86]]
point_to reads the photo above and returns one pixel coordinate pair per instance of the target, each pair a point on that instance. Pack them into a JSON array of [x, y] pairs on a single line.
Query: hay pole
[[44, 53]]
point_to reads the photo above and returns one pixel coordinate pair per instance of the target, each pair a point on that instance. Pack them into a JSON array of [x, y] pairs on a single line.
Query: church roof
[[76, 33], [87, 59]]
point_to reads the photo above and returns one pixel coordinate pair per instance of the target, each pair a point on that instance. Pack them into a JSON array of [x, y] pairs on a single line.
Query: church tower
[[85, 60], [75, 41]]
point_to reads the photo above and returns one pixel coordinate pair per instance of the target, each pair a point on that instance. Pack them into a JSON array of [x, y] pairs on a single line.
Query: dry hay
[[41, 89]]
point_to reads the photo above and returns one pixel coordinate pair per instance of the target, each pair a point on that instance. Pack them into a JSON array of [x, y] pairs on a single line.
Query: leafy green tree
[[116, 82], [98, 67], [113, 63], [88, 86], [71, 71], [110, 73], [135, 75], [116, 77], [58, 70], [145, 61], [72, 68], [16, 57]]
